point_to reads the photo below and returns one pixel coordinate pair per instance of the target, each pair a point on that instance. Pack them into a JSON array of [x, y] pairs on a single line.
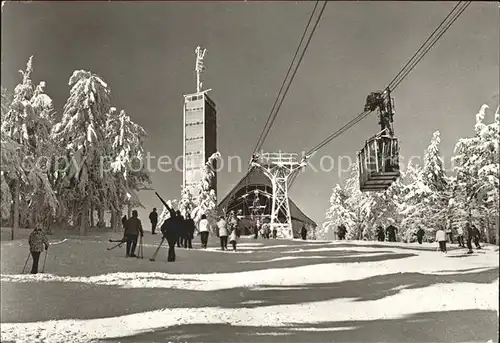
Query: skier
[[204, 228], [441, 239], [476, 234], [181, 238], [380, 233], [169, 229], [420, 235], [468, 235], [189, 228], [460, 237], [37, 240], [133, 228], [391, 231], [341, 232], [223, 233], [153, 217], [303, 233]]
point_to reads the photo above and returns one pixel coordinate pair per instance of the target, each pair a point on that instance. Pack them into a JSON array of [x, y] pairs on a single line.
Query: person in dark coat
[[170, 231], [133, 228], [468, 235], [476, 234], [37, 241], [180, 229], [391, 231], [420, 235], [189, 227], [153, 218], [124, 221], [181, 235], [341, 232], [303, 232], [380, 234]]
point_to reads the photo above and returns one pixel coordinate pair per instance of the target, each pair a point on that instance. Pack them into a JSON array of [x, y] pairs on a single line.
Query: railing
[[278, 157]]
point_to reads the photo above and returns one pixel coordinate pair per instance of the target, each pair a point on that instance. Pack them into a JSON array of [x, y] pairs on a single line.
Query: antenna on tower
[[200, 67]]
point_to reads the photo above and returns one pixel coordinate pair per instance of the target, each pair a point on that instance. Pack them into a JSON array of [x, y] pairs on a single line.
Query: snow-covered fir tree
[[477, 180], [27, 123], [359, 204], [127, 159], [82, 134], [206, 200], [337, 214], [186, 204], [428, 196], [399, 191]]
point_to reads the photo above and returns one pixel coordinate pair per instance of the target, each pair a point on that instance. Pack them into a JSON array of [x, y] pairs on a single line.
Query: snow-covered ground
[[317, 294]]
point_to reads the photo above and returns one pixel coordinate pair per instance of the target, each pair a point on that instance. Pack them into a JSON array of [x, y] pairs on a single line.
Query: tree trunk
[[84, 217], [74, 217], [92, 215], [49, 222], [15, 221], [129, 210], [100, 215], [113, 220], [497, 230], [487, 228]]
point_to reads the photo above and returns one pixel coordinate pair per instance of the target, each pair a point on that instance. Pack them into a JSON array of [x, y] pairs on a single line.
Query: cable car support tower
[[279, 167]]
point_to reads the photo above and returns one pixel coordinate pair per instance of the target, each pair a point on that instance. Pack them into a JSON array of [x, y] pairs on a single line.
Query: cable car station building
[[251, 199]]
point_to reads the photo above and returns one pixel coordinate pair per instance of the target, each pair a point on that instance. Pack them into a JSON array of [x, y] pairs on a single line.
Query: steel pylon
[[279, 167]]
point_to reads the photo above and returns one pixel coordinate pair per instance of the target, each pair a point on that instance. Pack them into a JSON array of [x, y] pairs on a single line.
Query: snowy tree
[[337, 214], [359, 204], [428, 196], [186, 204], [206, 200], [127, 160], [81, 133], [477, 170], [363, 212], [399, 192], [27, 123]]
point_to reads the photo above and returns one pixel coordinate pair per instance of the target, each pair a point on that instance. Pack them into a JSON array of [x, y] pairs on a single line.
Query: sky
[[145, 52]]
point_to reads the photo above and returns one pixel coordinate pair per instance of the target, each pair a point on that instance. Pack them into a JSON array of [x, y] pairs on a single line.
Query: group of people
[[227, 230], [468, 235], [390, 232], [265, 231], [178, 230]]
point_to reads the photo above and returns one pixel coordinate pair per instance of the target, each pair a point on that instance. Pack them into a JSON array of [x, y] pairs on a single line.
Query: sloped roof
[[255, 176]]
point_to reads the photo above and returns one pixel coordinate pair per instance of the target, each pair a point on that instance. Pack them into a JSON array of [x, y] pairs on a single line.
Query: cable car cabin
[[378, 163]]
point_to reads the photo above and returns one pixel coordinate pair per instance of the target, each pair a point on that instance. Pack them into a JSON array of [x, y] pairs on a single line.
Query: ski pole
[[115, 246], [140, 253], [26, 263], [157, 249], [45, 260]]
